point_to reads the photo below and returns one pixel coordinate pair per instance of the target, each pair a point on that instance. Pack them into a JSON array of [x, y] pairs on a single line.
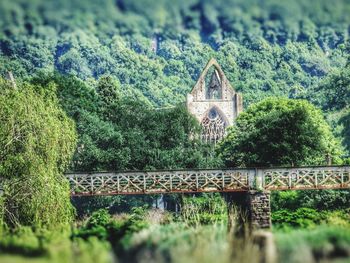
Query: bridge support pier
[[260, 209], [248, 211]]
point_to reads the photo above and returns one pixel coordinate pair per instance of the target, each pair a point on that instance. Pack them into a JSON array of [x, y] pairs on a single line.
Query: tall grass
[[321, 244], [199, 234], [205, 209], [179, 243]]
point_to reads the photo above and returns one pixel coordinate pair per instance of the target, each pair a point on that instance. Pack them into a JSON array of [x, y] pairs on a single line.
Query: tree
[[37, 141], [279, 49], [345, 121], [334, 92], [279, 131], [108, 90]]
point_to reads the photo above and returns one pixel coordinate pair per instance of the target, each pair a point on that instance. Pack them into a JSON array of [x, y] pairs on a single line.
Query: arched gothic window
[[213, 87], [213, 126]]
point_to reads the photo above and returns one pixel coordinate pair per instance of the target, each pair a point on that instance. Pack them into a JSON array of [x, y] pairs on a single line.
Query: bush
[[96, 226], [118, 232], [318, 199], [99, 218], [22, 241], [264, 135], [301, 218]]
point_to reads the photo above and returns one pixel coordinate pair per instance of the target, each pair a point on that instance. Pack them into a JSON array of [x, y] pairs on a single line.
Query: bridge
[[209, 180], [247, 189]]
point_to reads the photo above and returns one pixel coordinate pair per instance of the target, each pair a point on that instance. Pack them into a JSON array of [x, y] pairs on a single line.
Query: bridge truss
[[226, 180]]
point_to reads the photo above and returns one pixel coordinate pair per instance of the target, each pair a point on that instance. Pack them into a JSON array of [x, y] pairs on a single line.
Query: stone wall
[[259, 209], [230, 105], [248, 211], [200, 109]]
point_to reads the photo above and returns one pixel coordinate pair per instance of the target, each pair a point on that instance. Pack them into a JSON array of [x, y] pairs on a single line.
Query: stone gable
[[214, 102]]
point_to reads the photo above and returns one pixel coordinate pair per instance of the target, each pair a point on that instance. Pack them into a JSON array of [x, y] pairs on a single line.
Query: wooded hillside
[[265, 47]]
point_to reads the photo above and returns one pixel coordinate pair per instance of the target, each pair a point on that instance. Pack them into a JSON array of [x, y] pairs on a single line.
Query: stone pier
[[259, 210], [248, 211]]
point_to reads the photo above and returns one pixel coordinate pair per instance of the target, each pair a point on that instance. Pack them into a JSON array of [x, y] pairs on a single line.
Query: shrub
[[56, 248], [264, 135], [99, 218], [96, 226], [301, 218], [118, 232], [22, 241]]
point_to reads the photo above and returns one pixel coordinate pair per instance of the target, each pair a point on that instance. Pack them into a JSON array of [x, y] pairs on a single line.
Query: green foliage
[[122, 231], [285, 200], [309, 218], [37, 141], [318, 199], [266, 48], [203, 209], [92, 250], [96, 226], [301, 218], [325, 199], [322, 244], [345, 133], [99, 218], [177, 242], [123, 133], [117, 231], [22, 241], [86, 205], [278, 131], [334, 91], [23, 245]]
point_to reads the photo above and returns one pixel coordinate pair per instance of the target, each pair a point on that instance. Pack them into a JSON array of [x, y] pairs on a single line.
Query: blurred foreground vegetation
[[198, 234]]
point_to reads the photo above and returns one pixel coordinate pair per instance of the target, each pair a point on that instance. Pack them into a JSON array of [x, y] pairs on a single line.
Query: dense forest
[[101, 85], [155, 50]]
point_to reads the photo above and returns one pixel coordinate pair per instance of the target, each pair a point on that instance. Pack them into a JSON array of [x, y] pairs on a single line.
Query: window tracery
[[213, 127]]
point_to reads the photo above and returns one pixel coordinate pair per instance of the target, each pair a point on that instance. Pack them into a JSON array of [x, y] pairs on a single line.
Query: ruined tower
[[214, 102]]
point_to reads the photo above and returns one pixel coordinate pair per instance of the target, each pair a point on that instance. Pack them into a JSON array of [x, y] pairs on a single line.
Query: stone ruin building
[[214, 102]]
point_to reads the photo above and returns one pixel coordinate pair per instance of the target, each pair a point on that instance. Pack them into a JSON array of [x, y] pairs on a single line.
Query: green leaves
[[301, 218], [334, 91], [37, 141], [278, 132], [156, 49], [118, 131]]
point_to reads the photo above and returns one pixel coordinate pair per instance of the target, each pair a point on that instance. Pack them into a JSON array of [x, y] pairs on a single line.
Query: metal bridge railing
[[225, 180]]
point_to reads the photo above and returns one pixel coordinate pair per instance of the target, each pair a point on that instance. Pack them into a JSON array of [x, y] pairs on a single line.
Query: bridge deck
[[226, 180]]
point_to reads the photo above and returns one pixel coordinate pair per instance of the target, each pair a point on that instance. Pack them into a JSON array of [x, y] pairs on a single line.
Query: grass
[[321, 244], [179, 243]]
